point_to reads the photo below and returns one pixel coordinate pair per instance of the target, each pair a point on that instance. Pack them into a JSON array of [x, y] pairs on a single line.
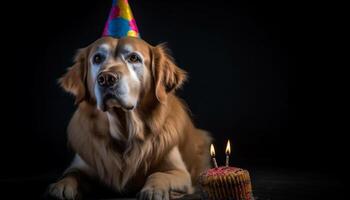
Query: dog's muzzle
[[111, 90]]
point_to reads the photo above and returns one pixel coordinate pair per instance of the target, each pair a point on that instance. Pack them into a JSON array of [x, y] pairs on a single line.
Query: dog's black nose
[[107, 79]]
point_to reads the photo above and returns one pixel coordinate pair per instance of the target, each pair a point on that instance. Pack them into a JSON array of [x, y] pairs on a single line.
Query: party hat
[[120, 22]]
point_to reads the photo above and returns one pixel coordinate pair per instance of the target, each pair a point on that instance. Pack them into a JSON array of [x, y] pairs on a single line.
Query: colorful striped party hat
[[121, 22]]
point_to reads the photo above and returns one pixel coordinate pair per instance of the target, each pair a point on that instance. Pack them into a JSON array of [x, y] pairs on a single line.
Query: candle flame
[[228, 148], [212, 150]]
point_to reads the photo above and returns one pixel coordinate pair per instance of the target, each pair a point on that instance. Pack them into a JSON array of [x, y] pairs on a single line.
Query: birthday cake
[[226, 183]]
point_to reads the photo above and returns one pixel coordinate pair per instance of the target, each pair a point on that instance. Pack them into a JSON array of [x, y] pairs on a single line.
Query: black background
[[245, 61]]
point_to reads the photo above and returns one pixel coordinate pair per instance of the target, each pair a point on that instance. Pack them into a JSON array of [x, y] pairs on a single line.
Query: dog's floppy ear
[[167, 76], [73, 81]]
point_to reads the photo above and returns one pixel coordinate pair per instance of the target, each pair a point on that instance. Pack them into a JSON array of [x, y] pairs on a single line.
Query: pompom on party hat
[[121, 22]]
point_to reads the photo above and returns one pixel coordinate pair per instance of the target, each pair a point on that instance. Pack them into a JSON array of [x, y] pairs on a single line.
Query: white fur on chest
[[114, 127]]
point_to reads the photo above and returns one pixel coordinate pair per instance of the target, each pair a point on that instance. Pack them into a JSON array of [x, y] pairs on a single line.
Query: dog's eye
[[134, 58], [98, 58]]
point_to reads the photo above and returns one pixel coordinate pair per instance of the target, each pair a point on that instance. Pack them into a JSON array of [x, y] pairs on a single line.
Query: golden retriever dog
[[130, 131]]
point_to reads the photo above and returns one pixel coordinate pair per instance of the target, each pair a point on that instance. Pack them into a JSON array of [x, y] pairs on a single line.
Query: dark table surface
[[268, 184]]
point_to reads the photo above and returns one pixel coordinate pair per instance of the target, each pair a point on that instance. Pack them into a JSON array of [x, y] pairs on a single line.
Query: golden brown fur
[[159, 150]]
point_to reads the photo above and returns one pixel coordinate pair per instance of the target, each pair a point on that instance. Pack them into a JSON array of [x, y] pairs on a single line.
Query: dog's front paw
[[154, 193], [64, 189]]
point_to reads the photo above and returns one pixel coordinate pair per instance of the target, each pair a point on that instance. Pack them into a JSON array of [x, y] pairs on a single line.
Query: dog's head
[[121, 73]]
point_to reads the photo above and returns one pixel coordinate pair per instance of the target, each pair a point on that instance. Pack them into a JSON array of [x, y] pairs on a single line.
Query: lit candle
[[228, 152], [212, 153]]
